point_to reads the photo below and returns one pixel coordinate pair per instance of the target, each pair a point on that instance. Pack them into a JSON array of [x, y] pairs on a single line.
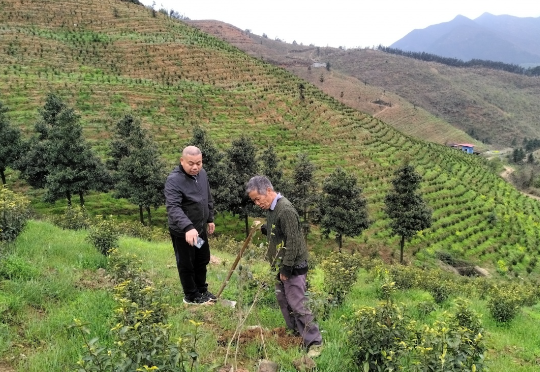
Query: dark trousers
[[191, 263], [291, 297]]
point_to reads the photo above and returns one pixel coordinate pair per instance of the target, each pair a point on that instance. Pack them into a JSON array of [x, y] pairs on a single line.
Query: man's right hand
[[191, 236]]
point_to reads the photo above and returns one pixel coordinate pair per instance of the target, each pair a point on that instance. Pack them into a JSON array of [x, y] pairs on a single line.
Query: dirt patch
[[279, 335], [98, 279], [5, 368]]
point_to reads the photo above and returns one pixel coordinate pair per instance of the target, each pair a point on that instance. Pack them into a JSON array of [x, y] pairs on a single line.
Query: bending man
[[287, 251]]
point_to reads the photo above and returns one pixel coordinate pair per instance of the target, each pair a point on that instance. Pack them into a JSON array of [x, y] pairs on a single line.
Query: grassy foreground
[[52, 276]]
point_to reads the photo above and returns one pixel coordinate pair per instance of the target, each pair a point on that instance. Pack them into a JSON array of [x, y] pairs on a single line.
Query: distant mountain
[[501, 38]]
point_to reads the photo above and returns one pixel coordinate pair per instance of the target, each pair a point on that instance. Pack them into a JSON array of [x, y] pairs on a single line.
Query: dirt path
[[506, 175], [507, 172]]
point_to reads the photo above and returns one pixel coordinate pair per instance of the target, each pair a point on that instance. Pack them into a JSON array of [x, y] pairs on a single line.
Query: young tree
[[68, 164], [271, 168], [220, 178], [304, 195], [405, 207], [10, 143], [242, 164], [138, 171], [343, 208]]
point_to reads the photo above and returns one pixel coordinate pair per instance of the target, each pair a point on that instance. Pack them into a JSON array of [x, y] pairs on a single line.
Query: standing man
[[287, 251], [190, 211]]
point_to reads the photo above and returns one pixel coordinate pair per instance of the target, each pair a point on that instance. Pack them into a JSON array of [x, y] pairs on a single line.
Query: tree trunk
[[141, 216], [247, 224], [81, 198], [340, 242], [68, 197], [3, 177], [149, 216], [402, 244]]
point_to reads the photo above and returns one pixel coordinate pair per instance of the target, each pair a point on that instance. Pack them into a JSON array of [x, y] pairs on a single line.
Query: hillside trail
[[506, 176]]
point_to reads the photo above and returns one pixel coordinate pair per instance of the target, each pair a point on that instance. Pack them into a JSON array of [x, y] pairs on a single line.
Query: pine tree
[[220, 179], [59, 159], [304, 195], [10, 143], [343, 208], [242, 164], [406, 208], [138, 170], [270, 167]]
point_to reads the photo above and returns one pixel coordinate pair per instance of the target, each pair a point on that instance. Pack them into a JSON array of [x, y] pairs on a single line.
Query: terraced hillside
[[107, 58], [349, 89], [497, 107]]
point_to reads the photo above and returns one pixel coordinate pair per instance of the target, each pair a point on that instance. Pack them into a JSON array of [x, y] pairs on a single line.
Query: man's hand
[[211, 227], [191, 236]]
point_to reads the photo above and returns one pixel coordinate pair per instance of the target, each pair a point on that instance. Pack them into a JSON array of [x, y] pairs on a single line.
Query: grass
[[67, 283]]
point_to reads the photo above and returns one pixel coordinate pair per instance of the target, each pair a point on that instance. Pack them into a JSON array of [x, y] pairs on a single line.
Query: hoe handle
[[244, 246]]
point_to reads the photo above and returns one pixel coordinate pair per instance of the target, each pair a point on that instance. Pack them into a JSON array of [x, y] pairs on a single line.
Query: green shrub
[[439, 285], [466, 318], [405, 277], [73, 218], [424, 308], [135, 229], [383, 339], [503, 304], [379, 337], [227, 244], [340, 273], [103, 235], [14, 214], [443, 348]]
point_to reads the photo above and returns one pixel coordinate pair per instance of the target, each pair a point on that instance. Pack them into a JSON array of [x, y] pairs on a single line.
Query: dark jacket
[[188, 201]]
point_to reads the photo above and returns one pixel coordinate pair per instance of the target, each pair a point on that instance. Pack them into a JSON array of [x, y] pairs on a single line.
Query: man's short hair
[[191, 151], [259, 184]]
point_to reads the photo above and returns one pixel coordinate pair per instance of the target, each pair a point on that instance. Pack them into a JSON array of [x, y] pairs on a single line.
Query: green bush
[[424, 308], [379, 337], [14, 214], [443, 348], [405, 277], [73, 218], [136, 229], [103, 235], [340, 273], [503, 304], [383, 339], [466, 318]]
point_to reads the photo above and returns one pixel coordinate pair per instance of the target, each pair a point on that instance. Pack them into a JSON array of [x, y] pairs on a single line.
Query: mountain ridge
[[503, 38]]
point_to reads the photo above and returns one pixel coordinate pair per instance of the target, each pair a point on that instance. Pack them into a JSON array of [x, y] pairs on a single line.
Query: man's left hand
[[211, 227]]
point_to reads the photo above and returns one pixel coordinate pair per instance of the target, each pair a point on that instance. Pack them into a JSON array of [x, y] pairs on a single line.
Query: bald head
[[191, 160]]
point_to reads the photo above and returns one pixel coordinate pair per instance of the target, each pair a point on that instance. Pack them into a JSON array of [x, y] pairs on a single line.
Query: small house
[[466, 147]]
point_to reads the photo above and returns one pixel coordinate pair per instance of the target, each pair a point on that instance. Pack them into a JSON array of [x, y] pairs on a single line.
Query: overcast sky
[[349, 23]]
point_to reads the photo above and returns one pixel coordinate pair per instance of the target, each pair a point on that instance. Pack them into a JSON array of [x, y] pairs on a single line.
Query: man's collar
[[274, 202]]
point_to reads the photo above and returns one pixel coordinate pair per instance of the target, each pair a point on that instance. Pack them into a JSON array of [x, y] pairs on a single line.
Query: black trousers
[[191, 263]]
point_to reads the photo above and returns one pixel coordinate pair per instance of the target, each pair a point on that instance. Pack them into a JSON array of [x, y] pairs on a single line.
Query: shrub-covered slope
[[107, 58]]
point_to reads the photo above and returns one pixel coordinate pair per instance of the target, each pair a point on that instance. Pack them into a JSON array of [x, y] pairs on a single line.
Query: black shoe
[[209, 296], [198, 300]]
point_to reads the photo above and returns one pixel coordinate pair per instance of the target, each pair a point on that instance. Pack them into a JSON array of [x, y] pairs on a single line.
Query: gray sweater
[[284, 232]]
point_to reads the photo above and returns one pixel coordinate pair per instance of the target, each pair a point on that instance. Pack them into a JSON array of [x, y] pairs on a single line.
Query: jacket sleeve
[[210, 202], [173, 202]]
